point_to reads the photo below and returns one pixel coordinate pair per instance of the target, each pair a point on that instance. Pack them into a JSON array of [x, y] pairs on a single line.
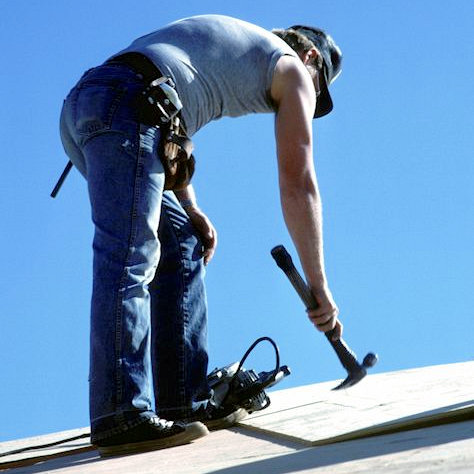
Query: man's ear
[[309, 56]]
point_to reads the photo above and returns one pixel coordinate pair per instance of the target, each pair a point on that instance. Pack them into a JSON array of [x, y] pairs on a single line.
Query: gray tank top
[[221, 66]]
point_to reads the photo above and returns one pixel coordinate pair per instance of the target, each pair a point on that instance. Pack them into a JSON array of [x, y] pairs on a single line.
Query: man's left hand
[[206, 232]]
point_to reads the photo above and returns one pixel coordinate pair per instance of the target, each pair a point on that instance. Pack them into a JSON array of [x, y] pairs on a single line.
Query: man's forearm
[[302, 212], [187, 197]]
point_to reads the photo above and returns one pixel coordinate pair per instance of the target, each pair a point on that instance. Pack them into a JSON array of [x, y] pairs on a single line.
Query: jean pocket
[[95, 107]]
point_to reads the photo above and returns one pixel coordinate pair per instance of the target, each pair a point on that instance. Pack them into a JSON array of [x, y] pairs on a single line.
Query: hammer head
[[352, 379], [358, 372]]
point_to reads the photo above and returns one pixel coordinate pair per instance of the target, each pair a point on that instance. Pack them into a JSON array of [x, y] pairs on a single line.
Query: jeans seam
[[121, 290], [185, 317], [182, 347]]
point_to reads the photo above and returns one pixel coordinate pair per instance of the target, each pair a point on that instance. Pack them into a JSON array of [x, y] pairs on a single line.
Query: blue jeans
[[148, 344]]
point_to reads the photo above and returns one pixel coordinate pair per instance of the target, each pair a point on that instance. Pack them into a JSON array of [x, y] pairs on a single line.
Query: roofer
[[126, 127]]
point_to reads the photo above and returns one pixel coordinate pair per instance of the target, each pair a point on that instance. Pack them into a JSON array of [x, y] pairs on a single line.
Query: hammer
[[356, 372]]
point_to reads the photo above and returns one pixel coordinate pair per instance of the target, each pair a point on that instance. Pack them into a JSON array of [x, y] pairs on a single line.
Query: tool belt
[[159, 105]]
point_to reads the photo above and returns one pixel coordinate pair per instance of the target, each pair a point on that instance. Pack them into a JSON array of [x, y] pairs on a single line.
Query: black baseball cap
[[332, 65]]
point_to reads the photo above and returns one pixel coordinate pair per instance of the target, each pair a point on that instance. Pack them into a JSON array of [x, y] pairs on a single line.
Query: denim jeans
[[148, 342]]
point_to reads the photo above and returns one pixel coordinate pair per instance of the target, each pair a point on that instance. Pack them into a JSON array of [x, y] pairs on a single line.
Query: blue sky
[[395, 168]]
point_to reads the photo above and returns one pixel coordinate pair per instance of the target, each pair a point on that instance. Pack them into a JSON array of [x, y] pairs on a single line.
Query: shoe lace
[[160, 422]]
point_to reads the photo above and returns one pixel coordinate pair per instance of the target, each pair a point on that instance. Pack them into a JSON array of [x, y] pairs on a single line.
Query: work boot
[[153, 434]]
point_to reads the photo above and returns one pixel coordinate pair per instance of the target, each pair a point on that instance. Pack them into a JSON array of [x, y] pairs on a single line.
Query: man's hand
[[206, 231], [325, 316], [204, 227]]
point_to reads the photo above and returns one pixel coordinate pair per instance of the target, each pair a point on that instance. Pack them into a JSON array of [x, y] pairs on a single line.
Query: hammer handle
[[61, 179], [283, 259]]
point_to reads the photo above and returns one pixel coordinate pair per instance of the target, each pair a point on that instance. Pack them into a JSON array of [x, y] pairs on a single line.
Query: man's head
[[321, 56]]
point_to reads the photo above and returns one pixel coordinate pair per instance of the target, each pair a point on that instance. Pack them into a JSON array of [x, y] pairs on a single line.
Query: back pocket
[[95, 107]]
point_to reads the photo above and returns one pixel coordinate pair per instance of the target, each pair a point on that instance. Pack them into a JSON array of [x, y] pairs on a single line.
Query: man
[[148, 314]]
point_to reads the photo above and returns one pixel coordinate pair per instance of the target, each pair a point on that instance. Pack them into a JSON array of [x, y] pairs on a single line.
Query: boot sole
[[193, 431]]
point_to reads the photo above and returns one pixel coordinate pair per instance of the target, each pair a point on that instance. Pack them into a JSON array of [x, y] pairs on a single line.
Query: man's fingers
[[208, 254], [327, 326], [325, 315], [320, 320], [210, 245], [325, 321], [322, 310], [322, 315]]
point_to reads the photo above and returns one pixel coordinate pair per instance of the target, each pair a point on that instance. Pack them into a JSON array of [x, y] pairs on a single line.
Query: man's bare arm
[[294, 94]]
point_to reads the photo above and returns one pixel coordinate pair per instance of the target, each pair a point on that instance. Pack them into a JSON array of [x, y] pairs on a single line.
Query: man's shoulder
[[291, 79], [289, 73]]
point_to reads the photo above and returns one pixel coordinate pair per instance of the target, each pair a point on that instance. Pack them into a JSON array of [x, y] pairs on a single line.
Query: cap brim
[[324, 103]]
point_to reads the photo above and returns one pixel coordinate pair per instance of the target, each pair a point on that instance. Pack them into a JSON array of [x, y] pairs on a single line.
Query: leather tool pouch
[[160, 107], [177, 158]]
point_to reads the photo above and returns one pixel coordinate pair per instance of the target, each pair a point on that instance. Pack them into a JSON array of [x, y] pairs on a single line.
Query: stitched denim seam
[[182, 347], [186, 272], [121, 290]]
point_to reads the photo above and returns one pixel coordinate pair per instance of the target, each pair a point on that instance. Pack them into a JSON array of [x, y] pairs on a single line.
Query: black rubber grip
[[285, 262], [282, 258]]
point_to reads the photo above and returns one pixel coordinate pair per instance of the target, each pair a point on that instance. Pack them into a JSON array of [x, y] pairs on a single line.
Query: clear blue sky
[[395, 167]]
